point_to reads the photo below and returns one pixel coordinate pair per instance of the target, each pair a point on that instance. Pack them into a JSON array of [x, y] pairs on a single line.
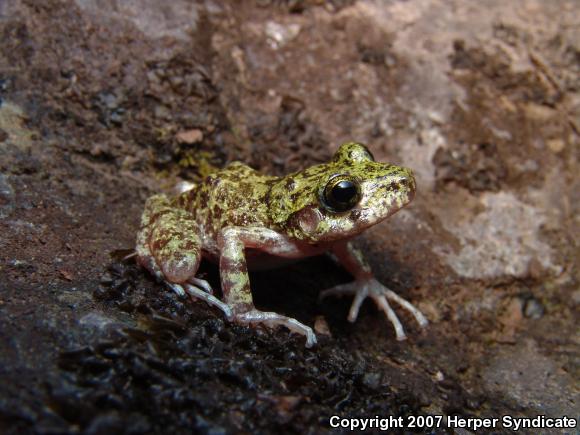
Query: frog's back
[[233, 196]]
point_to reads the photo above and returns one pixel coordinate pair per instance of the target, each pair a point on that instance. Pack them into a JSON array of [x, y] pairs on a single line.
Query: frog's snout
[[408, 184]]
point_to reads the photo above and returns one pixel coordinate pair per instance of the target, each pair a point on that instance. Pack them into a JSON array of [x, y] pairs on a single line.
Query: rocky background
[[104, 102]]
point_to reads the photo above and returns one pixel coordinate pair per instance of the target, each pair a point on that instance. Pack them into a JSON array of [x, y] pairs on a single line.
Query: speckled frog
[[242, 219]]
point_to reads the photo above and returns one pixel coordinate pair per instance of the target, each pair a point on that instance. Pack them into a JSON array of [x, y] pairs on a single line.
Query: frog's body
[[240, 218]]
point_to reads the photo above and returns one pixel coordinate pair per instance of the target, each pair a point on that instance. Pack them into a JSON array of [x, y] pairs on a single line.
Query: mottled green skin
[[296, 198], [241, 196], [237, 214]]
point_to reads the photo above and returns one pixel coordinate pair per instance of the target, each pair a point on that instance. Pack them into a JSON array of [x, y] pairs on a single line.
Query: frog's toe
[[419, 316], [178, 289], [359, 291], [381, 294], [348, 289], [383, 304], [193, 291], [272, 320], [201, 283]]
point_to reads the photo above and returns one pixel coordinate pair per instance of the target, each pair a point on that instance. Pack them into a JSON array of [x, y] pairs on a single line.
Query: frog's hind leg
[[168, 245]]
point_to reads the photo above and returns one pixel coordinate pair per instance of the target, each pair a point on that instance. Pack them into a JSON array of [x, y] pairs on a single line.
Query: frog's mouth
[[319, 225], [370, 215]]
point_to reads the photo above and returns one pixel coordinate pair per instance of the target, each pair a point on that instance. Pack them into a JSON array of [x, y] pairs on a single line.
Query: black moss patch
[[180, 368]]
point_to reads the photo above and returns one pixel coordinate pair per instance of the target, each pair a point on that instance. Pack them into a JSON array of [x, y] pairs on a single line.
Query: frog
[[244, 220]]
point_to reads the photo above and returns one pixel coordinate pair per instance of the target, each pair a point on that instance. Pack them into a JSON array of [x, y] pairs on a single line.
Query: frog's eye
[[341, 193]]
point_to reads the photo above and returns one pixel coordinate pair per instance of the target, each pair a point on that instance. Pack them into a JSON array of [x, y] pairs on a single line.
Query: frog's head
[[342, 198]]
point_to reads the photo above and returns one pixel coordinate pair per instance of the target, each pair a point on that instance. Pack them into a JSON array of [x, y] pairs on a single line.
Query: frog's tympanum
[[242, 219]]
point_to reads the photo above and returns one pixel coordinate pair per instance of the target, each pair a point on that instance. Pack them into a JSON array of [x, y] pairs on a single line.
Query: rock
[[280, 34], [556, 145], [321, 326], [189, 136], [538, 112]]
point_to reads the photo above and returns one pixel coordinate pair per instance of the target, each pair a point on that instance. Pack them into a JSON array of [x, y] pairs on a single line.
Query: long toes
[[299, 328], [178, 289], [274, 319], [201, 283], [421, 319], [339, 290], [359, 298], [382, 302], [208, 298]]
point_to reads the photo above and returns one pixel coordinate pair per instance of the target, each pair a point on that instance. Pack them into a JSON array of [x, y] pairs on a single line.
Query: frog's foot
[[363, 288], [272, 320], [197, 293]]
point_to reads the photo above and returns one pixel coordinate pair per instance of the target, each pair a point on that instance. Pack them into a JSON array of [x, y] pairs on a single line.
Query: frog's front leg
[[365, 285], [236, 283]]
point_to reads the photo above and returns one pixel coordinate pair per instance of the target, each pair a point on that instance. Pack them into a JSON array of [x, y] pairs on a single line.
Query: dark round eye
[[341, 193]]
